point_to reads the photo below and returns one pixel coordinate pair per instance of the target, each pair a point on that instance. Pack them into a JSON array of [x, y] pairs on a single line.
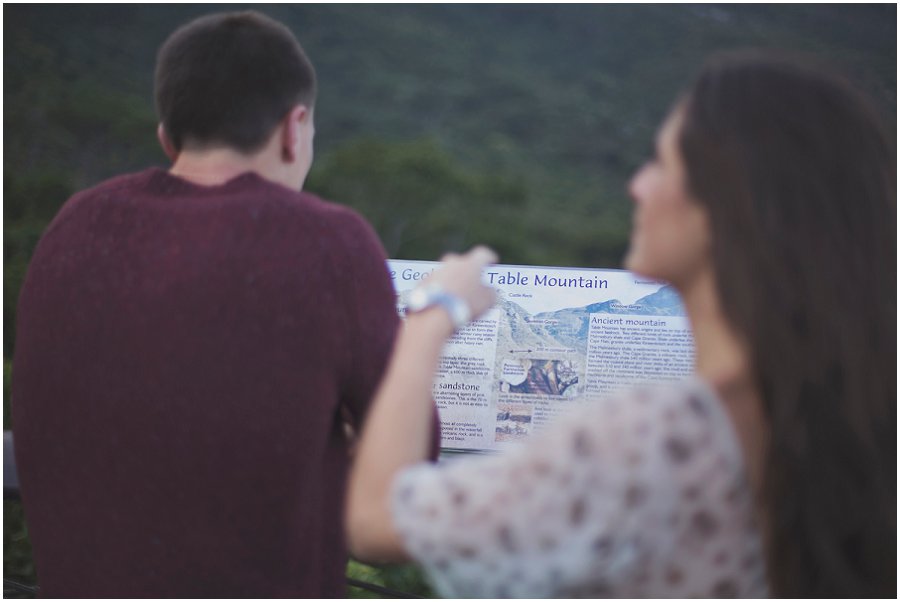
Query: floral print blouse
[[639, 494]]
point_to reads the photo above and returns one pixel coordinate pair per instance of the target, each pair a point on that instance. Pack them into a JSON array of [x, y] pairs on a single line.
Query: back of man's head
[[228, 79]]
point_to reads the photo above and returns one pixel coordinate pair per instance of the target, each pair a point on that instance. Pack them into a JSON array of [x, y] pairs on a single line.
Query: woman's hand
[[458, 281], [460, 275]]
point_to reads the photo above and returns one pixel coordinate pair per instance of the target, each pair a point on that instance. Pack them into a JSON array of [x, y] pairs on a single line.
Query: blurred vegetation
[[445, 125], [407, 579]]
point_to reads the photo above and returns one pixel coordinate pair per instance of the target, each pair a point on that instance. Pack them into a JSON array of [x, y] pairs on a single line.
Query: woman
[[770, 204]]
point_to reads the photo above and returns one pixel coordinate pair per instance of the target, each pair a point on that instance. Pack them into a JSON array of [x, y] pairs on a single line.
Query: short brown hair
[[227, 79]]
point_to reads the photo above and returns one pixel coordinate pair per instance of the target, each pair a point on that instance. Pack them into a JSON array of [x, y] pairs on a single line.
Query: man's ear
[[290, 131], [166, 143]]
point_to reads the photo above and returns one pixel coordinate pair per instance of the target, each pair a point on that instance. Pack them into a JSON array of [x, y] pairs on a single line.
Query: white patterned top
[[642, 494]]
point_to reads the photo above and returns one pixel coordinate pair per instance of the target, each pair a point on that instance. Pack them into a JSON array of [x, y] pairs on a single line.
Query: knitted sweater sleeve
[[372, 320], [370, 311]]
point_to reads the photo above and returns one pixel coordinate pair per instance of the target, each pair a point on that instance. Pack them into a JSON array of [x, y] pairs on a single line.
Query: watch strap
[[434, 294]]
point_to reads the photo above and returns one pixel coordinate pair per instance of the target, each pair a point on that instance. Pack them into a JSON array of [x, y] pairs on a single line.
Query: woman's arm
[[396, 433]]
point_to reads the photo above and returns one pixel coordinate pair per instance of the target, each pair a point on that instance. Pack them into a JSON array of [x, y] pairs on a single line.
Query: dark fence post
[[10, 473]]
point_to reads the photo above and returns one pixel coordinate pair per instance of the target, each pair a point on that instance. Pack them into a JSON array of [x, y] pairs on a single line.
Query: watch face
[[418, 300]]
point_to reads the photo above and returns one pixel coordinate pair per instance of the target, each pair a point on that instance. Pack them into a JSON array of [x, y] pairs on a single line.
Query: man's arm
[[370, 323], [374, 324]]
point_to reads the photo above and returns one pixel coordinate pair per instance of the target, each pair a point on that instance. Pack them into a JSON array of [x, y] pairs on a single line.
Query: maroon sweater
[[183, 360]]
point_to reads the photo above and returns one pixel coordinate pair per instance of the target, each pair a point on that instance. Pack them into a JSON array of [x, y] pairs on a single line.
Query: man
[[192, 343]]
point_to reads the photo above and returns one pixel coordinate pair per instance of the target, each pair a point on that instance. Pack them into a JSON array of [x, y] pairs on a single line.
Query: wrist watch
[[429, 295]]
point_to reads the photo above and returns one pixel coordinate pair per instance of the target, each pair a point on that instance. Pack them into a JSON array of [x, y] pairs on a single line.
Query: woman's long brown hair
[[799, 178]]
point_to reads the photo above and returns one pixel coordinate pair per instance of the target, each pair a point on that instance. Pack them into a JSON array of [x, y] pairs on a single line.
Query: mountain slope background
[[445, 124]]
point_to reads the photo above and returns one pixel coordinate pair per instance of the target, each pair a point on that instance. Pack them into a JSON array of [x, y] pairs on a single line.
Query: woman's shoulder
[[678, 418]]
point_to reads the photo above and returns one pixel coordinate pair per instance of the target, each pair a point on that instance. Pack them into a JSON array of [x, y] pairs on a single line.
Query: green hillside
[[445, 125]]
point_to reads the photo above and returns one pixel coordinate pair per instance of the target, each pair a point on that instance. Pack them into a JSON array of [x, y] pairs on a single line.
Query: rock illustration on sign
[[538, 376], [513, 421]]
